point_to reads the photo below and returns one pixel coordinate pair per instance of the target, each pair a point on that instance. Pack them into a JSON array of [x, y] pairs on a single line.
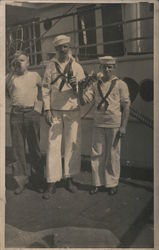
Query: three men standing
[[61, 92], [62, 113]]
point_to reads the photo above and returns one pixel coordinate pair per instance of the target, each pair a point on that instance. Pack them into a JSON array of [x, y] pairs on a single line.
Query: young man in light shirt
[[23, 89], [62, 113], [112, 103]]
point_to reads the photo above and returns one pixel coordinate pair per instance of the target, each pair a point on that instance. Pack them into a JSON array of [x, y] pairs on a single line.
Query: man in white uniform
[[62, 113], [110, 120]]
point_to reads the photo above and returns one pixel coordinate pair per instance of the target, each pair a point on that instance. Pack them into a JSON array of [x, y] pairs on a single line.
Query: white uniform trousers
[[105, 159], [65, 133]]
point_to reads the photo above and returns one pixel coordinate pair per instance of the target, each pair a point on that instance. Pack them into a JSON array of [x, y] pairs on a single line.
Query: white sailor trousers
[[64, 140], [105, 159]]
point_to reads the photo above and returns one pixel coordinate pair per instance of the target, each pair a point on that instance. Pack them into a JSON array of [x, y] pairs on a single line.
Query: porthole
[[133, 88], [146, 90]]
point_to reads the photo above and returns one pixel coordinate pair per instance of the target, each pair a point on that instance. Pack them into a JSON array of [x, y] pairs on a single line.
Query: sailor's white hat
[[61, 39], [107, 60]]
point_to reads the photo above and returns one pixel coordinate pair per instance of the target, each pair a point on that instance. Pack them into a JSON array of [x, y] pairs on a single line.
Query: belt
[[22, 108]]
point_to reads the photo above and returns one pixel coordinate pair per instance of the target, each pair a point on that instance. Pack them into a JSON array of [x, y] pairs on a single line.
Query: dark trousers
[[25, 125]]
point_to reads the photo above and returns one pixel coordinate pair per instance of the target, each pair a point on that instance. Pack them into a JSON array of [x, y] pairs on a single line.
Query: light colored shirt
[[23, 89], [111, 118], [65, 99]]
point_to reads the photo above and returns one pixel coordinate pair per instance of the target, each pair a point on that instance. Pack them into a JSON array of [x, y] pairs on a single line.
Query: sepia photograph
[[79, 124]]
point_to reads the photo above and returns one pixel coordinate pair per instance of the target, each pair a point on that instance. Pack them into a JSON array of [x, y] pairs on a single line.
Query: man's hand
[[122, 131], [48, 117], [73, 83]]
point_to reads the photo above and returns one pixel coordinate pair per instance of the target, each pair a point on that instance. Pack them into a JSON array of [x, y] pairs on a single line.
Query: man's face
[[22, 63], [63, 50], [108, 70]]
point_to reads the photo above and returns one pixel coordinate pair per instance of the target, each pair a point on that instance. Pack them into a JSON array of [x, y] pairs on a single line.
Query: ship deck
[[81, 220]]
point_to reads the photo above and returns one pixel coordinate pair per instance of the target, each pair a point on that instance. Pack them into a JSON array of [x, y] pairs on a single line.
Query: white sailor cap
[[61, 39], [107, 60]]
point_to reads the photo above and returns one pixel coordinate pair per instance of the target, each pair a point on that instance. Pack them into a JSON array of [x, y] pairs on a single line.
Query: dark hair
[[20, 52]]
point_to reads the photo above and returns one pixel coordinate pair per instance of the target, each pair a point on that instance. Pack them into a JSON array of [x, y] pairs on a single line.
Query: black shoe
[[70, 186], [39, 185], [51, 189], [19, 189], [113, 190], [37, 180], [94, 190], [39, 188]]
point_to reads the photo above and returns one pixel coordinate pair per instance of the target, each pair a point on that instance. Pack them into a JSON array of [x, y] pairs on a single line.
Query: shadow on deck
[[80, 220]]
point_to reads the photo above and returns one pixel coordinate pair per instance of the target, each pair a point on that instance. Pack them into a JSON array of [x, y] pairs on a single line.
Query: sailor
[[62, 114], [112, 102]]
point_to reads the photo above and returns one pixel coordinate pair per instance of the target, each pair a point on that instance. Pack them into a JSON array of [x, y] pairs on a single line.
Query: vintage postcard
[[79, 119]]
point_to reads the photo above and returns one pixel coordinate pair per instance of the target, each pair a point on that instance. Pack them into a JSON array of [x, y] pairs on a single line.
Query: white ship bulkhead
[[136, 63]]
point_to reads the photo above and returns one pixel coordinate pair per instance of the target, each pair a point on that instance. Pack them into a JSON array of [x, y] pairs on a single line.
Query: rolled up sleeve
[[79, 73], [124, 93]]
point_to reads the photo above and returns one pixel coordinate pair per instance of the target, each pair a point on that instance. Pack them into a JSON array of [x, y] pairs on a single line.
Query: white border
[[2, 123], [2, 109], [156, 119]]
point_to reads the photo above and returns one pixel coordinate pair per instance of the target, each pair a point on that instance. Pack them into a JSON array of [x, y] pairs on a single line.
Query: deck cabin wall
[[137, 147]]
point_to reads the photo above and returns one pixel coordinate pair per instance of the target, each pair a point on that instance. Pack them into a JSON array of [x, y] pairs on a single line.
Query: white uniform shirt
[[111, 118], [23, 89], [52, 97]]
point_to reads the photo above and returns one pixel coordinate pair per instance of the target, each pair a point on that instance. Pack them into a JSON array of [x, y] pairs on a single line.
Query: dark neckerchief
[[66, 75], [104, 98]]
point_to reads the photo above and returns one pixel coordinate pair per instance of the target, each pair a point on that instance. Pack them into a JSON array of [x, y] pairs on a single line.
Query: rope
[[134, 113], [88, 111], [142, 118], [39, 38]]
